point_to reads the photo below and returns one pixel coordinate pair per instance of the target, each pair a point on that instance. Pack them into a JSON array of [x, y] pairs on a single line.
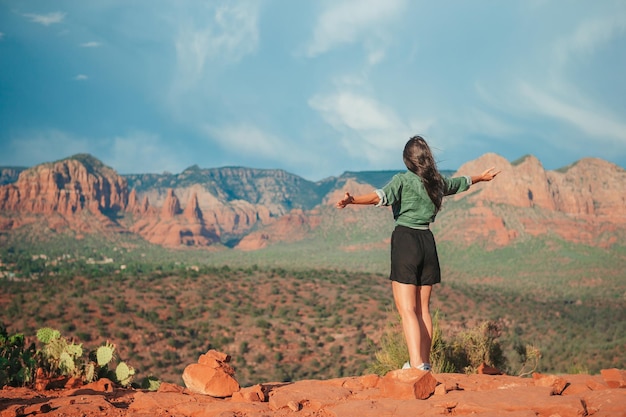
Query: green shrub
[[475, 346], [17, 361], [464, 353]]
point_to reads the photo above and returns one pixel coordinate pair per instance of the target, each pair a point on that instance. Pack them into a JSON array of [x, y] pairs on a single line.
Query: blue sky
[[313, 87]]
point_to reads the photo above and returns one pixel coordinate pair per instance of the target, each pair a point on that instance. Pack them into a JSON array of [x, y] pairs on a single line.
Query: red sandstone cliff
[[65, 189], [584, 202], [173, 227]]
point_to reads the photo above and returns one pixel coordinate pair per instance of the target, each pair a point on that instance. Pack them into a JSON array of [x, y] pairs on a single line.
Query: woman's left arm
[[487, 175]]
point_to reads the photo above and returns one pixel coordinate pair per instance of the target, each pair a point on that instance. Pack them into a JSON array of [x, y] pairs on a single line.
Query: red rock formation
[[172, 228], [135, 207], [171, 206], [192, 211], [589, 187], [80, 184], [291, 227], [211, 375], [354, 396], [582, 203]]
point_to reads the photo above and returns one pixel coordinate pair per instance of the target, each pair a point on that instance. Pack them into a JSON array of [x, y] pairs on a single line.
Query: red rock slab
[[614, 378], [556, 383], [309, 394], [462, 382], [255, 393], [609, 402], [383, 407], [183, 405], [408, 384], [515, 399], [87, 406]]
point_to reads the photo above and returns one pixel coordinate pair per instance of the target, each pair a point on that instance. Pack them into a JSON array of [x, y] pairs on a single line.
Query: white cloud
[[588, 36], [368, 129], [353, 111], [585, 117], [228, 35], [247, 140], [348, 21], [1, 36], [81, 77], [46, 19], [142, 152], [91, 44]]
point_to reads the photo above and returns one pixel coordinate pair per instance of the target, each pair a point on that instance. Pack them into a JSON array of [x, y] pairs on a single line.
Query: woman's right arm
[[365, 199]]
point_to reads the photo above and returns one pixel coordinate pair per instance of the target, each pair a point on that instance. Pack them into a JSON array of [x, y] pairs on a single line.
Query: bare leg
[[426, 322], [413, 303]]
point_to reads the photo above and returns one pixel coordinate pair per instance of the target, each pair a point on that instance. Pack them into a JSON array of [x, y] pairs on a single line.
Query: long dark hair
[[419, 159]]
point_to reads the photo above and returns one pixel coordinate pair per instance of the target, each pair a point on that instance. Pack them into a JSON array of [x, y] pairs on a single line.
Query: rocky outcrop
[[212, 375], [171, 206], [77, 185], [590, 187], [174, 227], [354, 396], [582, 203], [291, 227], [136, 207], [192, 212]]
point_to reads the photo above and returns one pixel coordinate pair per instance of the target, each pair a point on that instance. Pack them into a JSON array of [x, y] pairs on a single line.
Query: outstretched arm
[[487, 175], [371, 198]]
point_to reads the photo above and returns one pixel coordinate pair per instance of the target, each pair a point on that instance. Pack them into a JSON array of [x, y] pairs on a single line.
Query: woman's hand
[[347, 199], [487, 175]]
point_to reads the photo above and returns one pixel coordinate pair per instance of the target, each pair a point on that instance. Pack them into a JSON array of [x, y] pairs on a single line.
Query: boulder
[[408, 384], [211, 376]]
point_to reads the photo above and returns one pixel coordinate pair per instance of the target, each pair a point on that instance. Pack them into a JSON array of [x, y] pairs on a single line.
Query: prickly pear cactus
[[89, 372], [54, 348], [150, 383], [124, 374], [104, 354], [66, 364], [75, 350], [46, 334]]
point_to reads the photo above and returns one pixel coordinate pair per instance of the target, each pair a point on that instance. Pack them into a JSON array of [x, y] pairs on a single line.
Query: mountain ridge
[[207, 206]]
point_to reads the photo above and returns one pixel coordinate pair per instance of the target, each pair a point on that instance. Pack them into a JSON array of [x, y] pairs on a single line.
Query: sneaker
[[406, 365], [425, 367]]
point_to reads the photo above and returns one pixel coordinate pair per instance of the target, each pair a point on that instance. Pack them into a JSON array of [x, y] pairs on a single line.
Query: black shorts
[[414, 257]]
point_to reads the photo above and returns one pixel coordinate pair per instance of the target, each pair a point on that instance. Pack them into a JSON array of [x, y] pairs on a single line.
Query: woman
[[415, 197]]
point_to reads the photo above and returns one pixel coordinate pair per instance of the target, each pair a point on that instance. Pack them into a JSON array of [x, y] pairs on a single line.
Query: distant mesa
[[583, 202]]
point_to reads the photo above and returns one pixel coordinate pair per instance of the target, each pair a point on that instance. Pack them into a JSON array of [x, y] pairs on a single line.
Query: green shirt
[[410, 203]]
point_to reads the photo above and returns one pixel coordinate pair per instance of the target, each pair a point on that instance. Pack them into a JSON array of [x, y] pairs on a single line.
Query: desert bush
[[464, 353], [17, 361], [529, 357], [475, 346]]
